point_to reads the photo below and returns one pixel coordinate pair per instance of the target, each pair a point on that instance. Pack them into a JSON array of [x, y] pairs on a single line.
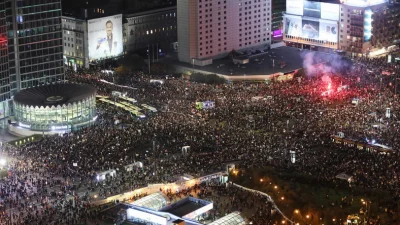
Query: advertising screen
[[310, 29], [328, 31], [312, 9], [293, 26], [294, 7], [105, 37], [330, 11], [367, 25]]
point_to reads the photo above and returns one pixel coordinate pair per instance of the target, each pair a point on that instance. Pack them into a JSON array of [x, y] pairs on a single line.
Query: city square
[[298, 127]]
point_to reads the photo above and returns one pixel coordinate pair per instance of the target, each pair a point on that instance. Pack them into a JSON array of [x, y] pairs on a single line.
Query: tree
[[132, 62], [121, 70]]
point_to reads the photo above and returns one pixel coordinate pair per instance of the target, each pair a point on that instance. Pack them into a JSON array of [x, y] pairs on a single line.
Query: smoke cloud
[[323, 64]]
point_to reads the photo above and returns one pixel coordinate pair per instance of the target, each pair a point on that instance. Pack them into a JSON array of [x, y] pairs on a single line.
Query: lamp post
[[192, 65], [367, 204]]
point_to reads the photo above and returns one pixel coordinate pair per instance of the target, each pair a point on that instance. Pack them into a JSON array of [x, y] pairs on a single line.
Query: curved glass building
[[56, 107]]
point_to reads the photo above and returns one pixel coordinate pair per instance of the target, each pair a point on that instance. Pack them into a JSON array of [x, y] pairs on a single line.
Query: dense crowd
[[44, 186]]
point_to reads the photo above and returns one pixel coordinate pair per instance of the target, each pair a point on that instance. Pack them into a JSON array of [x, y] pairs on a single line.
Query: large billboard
[[328, 31], [310, 29], [330, 11], [313, 9], [105, 37], [293, 26], [317, 29], [294, 7]]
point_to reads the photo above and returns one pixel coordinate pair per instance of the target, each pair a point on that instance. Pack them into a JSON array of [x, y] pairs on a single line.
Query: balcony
[[356, 34]]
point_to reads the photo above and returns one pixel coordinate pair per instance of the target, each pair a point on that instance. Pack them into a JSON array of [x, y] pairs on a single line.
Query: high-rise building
[[4, 71], [34, 42], [277, 8], [210, 29]]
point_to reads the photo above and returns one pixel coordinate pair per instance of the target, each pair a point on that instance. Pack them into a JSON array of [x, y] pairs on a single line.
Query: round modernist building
[[55, 108]]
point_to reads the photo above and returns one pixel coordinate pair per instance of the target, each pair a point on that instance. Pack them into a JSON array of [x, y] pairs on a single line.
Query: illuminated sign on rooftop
[[362, 3]]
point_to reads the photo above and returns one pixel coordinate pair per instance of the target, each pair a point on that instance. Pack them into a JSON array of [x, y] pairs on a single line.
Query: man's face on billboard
[[109, 29]]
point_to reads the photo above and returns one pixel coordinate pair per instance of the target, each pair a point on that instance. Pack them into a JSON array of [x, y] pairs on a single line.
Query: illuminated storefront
[[56, 108]]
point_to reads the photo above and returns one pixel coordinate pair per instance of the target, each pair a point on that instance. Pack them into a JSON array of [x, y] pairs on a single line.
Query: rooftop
[[54, 94], [154, 201], [150, 12], [185, 206], [230, 219]]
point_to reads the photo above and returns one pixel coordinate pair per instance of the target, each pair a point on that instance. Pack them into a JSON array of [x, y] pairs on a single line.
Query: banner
[[294, 7], [293, 26], [328, 31], [105, 37], [310, 29]]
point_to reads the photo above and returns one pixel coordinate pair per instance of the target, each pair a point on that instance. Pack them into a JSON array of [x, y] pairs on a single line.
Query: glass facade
[[4, 70], [62, 117], [278, 7], [34, 42], [154, 201], [231, 219]]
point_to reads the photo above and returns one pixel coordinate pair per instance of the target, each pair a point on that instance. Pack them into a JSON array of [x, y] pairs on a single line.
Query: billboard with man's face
[[105, 37]]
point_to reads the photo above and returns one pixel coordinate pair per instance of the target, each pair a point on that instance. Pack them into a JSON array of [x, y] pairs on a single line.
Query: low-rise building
[[75, 39], [155, 28]]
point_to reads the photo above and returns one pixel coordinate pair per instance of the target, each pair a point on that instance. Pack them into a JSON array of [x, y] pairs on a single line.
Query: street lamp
[[193, 65], [367, 209]]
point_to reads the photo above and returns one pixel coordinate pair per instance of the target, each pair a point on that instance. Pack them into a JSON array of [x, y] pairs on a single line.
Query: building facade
[[278, 8], [34, 43], [357, 28], [311, 25], [368, 30], [155, 27], [210, 29], [75, 38], [4, 70]]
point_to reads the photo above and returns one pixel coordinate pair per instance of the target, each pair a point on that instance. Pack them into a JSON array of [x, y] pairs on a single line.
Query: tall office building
[[278, 7], [4, 71], [34, 42], [210, 29]]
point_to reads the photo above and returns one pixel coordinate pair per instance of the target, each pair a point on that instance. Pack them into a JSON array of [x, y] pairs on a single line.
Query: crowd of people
[[54, 180]]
